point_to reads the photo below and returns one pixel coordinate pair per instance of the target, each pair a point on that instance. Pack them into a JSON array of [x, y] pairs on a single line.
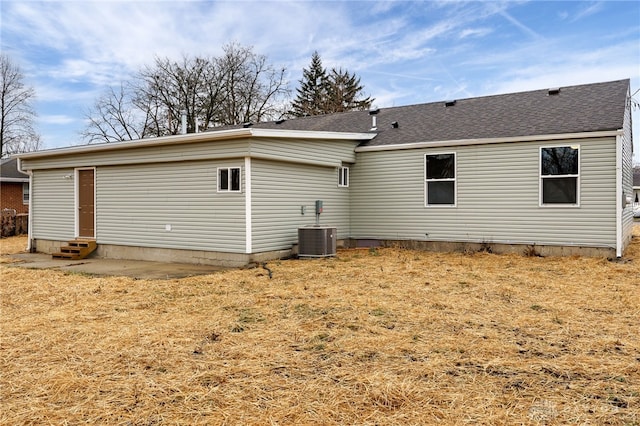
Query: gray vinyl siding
[[139, 191], [136, 202], [286, 150], [497, 196], [145, 155], [334, 152], [279, 190], [627, 177], [52, 205]]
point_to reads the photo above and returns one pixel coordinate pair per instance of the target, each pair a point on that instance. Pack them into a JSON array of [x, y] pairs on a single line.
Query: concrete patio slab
[[112, 267]]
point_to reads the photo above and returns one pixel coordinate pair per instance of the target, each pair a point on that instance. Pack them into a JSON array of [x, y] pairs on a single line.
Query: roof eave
[[485, 141], [199, 137], [14, 180]]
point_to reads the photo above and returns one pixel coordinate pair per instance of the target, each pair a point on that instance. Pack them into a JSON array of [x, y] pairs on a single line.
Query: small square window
[[229, 179], [343, 177]]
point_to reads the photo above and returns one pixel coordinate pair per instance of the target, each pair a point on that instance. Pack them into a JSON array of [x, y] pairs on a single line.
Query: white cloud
[[590, 9], [57, 119], [474, 32], [518, 24], [405, 51]]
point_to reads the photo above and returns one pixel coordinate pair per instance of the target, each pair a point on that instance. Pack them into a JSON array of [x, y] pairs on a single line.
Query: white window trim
[[26, 185], [541, 177], [454, 179], [229, 180], [342, 173]]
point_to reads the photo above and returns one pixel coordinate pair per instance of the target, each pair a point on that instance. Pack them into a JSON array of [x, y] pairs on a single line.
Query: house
[[14, 187], [545, 169], [14, 198]]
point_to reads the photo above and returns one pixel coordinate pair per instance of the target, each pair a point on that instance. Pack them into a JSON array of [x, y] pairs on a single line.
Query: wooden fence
[[13, 223]]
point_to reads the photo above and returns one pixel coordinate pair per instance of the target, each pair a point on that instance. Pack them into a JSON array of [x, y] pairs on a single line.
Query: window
[[440, 179], [229, 179], [25, 193], [559, 175], [343, 177]]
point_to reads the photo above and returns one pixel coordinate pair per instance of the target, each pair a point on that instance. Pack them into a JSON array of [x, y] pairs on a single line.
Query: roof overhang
[[14, 180], [199, 137], [485, 141]]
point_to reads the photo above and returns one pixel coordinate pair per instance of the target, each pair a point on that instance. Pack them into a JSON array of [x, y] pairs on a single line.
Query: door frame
[[77, 201]]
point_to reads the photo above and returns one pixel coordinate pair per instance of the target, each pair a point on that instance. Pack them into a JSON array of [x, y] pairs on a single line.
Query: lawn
[[371, 337]]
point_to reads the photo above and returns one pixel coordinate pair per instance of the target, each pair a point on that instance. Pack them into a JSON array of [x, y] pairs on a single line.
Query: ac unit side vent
[[317, 241]]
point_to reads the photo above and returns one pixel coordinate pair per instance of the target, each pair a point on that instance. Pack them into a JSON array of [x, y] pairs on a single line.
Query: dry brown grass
[[370, 337]]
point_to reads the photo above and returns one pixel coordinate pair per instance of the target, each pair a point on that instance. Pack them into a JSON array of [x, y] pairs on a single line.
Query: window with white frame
[[560, 175], [440, 179], [229, 179], [25, 193], [343, 177]]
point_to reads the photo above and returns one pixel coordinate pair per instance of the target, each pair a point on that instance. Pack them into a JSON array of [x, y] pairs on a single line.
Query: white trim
[[26, 203], [578, 178], [619, 195], [454, 180], [485, 141], [247, 206], [200, 137], [14, 180], [311, 134], [229, 180], [343, 172], [30, 216], [76, 193]]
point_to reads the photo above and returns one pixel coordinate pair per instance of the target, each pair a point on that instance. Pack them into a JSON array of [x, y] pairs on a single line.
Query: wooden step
[[76, 250]]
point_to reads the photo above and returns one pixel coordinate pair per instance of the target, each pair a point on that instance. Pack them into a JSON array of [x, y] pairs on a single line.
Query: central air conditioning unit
[[317, 241]]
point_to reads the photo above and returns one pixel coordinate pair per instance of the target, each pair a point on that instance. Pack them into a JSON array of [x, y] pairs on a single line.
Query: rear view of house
[[546, 168]]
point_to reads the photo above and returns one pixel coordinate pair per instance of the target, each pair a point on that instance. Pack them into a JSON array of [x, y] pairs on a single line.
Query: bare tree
[[168, 88], [17, 131], [238, 87], [114, 116], [253, 90]]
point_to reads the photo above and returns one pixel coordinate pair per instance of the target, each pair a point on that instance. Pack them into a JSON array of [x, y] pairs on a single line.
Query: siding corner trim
[[247, 206]]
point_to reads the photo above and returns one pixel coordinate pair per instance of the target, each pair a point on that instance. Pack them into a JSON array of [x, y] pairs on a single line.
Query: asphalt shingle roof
[[581, 108], [9, 170]]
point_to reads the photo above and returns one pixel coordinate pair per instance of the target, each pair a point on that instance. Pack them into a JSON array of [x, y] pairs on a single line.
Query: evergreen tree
[[322, 93], [343, 91], [312, 93]]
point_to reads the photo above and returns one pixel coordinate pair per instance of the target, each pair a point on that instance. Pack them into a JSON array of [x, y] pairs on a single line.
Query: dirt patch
[[379, 336]]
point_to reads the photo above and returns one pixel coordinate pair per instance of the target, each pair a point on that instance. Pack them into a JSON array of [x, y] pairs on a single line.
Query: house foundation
[[489, 247], [155, 254]]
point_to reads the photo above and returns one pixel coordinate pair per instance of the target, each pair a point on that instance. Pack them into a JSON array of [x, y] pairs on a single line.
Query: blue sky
[[405, 52]]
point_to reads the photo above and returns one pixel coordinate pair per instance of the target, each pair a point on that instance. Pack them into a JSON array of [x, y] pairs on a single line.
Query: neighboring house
[[14, 187], [548, 170]]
